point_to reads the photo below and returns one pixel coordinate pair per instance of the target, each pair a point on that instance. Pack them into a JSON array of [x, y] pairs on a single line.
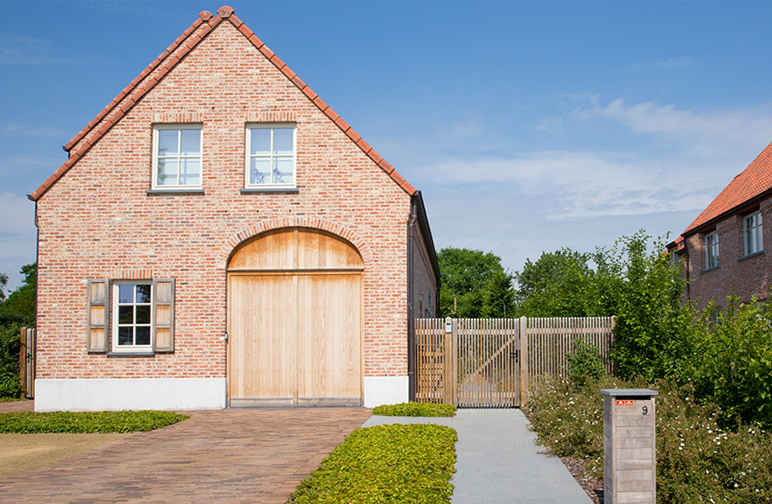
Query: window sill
[[755, 254], [177, 192], [259, 190], [131, 354], [709, 269]]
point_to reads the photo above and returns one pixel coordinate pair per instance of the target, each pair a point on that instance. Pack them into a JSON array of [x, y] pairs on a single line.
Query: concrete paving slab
[[499, 460]]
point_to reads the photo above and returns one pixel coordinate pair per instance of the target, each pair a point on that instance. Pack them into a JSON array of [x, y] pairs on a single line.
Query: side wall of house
[[736, 274], [98, 222]]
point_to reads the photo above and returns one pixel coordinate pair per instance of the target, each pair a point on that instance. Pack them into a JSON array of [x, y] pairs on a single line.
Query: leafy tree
[[558, 284], [477, 281], [22, 300], [3, 284], [17, 311]]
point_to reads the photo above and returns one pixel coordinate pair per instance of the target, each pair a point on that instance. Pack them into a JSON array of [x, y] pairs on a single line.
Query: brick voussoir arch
[[289, 222]]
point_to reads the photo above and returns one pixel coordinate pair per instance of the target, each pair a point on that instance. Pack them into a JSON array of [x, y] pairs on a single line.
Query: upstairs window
[[177, 157], [711, 250], [270, 155], [754, 239]]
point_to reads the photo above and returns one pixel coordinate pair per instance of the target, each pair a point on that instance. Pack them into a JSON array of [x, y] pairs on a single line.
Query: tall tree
[[476, 281]]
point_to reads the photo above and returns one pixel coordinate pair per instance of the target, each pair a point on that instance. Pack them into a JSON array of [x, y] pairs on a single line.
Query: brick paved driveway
[[216, 456]]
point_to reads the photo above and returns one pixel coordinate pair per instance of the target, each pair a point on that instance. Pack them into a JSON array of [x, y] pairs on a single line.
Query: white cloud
[[702, 131], [581, 185]]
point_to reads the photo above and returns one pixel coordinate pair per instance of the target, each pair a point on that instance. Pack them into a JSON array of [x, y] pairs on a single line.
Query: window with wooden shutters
[[98, 320], [163, 302]]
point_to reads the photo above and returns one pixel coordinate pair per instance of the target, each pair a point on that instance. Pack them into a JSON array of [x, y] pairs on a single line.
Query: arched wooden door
[[295, 321]]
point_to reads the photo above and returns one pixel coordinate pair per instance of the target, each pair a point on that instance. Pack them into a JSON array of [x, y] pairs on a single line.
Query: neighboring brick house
[[723, 249], [219, 236]]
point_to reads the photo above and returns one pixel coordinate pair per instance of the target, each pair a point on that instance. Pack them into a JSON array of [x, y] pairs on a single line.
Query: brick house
[[219, 236], [723, 249]]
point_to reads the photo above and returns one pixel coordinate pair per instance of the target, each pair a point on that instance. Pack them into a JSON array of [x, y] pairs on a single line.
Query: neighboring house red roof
[[753, 181], [141, 85]]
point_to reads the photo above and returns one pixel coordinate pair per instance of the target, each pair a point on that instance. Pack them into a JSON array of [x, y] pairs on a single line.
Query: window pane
[[191, 142], [143, 314], [125, 293], [282, 141], [167, 172], [143, 294], [125, 314], [260, 141], [143, 336], [282, 171], [167, 142], [125, 335], [260, 171], [190, 170]]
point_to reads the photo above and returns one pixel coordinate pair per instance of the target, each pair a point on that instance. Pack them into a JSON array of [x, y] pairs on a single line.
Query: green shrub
[[103, 421], [9, 386], [414, 409], [697, 461], [387, 463], [733, 363], [584, 363]]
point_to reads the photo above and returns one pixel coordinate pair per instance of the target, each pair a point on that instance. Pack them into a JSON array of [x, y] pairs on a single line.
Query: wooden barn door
[[295, 321]]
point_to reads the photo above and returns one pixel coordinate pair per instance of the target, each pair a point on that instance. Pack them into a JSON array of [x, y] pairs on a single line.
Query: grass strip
[[103, 421], [414, 409], [387, 463]]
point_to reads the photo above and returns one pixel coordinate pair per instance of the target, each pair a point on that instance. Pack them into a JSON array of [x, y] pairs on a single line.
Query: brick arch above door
[[229, 247]]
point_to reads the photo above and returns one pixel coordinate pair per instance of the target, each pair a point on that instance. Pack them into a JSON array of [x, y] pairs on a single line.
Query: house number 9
[[645, 410]]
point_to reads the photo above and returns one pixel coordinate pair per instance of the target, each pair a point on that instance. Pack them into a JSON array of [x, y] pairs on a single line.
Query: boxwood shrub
[[103, 421], [387, 463], [414, 409]]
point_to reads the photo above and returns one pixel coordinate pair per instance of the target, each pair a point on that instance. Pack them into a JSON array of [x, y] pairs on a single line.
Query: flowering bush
[[697, 460]]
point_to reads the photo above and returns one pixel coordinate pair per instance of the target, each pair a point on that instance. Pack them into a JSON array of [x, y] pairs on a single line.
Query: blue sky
[[528, 126]]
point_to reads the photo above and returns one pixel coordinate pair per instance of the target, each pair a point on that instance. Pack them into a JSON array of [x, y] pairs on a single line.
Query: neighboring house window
[[130, 316], [711, 250], [754, 240], [177, 156], [270, 155]]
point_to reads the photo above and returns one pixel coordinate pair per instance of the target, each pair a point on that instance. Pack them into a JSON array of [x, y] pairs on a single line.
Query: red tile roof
[[753, 181], [141, 85]]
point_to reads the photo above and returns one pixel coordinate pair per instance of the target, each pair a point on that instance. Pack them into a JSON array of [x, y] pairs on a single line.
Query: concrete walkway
[[499, 462]]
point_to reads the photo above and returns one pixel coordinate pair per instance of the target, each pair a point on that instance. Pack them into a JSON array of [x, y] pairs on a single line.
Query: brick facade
[[736, 274], [97, 221], [739, 274]]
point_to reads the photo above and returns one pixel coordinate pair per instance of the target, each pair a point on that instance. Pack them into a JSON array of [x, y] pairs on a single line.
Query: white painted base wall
[[386, 390], [107, 394]]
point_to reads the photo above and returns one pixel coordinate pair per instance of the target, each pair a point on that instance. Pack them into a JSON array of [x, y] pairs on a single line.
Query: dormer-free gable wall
[[100, 219]]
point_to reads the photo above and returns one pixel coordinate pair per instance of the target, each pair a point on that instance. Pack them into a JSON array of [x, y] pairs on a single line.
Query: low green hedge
[[414, 409], [103, 421], [387, 463]]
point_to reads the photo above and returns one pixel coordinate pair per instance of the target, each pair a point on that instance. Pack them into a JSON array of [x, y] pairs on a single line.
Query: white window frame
[[115, 313], [753, 234], [248, 154], [179, 127], [711, 251]]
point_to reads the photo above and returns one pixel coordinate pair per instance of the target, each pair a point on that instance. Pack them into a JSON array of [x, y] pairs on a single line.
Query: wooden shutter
[[98, 334], [163, 316]]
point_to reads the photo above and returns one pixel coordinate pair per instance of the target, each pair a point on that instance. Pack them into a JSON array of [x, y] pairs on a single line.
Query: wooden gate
[[468, 362], [27, 362], [495, 362]]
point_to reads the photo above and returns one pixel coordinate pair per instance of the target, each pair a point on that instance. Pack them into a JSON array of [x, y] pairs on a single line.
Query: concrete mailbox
[[629, 452]]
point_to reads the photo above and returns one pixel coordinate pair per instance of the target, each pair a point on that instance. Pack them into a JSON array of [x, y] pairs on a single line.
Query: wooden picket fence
[[496, 362]]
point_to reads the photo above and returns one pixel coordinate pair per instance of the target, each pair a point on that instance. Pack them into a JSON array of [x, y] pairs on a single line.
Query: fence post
[[524, 383], [614, 369]]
